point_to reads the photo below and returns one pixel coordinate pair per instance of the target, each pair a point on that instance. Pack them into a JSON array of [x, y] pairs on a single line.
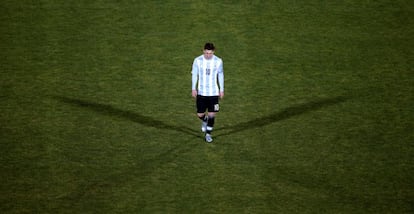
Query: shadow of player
[[109, 110], [281, 115]]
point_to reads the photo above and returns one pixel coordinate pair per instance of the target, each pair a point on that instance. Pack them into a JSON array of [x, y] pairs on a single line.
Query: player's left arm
[[221, 79]]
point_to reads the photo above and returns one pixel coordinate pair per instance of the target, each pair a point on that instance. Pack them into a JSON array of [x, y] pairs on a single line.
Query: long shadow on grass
[[106, 182], [282, 115], [129, 115]]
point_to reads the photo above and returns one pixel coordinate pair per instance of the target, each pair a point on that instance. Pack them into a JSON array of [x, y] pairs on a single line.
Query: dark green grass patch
[[96, 113]]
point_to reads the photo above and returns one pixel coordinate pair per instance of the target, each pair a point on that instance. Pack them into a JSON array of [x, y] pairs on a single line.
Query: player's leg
[[204, 120], [201, 109], [213, 108], [211, 117]]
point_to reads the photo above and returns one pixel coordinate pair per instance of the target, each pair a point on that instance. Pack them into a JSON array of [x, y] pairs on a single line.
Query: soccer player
[[207, 87]]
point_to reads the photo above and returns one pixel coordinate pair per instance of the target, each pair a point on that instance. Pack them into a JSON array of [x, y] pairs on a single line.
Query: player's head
[[208, 50], [209, 46]]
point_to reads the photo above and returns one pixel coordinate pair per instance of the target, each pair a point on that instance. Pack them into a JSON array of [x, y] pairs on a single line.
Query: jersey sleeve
[[194, 74], [221, 77]]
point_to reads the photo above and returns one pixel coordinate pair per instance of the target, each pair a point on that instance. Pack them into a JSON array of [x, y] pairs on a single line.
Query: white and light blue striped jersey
[[209, 75]]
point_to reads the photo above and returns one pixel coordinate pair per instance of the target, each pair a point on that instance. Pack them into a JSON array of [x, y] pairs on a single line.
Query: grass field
[[96, 111]]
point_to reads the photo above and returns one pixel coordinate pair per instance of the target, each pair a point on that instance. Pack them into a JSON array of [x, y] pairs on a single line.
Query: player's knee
[[211, 114], [200, 115]]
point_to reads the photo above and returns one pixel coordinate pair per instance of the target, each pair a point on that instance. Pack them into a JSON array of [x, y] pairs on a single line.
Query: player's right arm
[[194, 79]]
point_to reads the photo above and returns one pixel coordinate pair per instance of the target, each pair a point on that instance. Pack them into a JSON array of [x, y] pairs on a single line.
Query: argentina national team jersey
[[210, 75]]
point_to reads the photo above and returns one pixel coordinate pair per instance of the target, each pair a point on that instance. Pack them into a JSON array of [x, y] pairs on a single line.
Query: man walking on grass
[[207, 87]]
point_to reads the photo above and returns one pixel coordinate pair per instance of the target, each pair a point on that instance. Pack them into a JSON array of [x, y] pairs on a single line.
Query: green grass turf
[[96, 113]]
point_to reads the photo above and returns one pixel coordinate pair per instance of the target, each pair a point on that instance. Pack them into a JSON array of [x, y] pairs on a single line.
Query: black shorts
[[211, 104]]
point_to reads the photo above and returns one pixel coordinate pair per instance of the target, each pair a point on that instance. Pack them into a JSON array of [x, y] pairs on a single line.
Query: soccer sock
[[210, 124]]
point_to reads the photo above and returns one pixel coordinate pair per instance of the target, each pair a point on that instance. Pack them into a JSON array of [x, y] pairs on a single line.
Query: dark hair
[[209, 46]]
